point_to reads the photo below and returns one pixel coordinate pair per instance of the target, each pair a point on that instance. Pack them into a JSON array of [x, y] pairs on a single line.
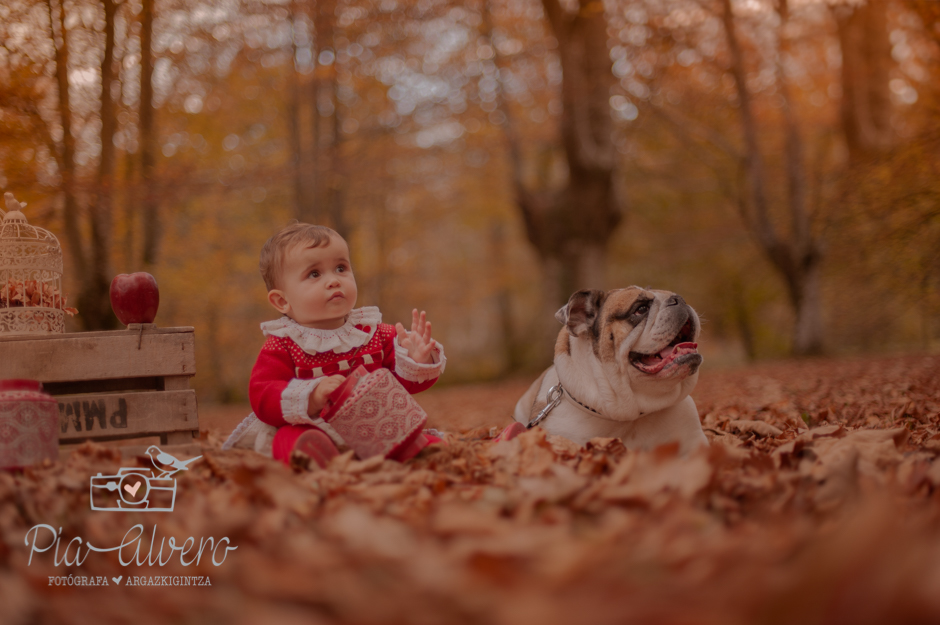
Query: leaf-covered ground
[[816, 503]]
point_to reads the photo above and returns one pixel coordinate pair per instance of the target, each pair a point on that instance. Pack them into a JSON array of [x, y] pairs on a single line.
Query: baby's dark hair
[[276, 248]]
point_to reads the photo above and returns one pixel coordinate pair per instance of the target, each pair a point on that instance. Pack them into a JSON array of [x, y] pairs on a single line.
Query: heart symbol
[[117, 580], [132, 491]]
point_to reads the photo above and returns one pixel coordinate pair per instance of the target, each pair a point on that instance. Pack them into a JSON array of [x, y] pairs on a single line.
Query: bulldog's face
[[650, 335]]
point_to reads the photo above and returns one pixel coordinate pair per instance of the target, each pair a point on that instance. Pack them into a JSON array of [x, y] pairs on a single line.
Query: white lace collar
[[340, 340]]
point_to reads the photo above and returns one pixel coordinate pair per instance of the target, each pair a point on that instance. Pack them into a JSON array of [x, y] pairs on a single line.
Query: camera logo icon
[[137, 488]]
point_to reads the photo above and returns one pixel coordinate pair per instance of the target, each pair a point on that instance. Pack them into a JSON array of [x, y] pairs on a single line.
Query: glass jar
[[29, 424]]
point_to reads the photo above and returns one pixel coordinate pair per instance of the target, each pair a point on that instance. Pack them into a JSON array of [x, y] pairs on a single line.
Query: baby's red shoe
[[512, 431], [316, 446], [410, 450]]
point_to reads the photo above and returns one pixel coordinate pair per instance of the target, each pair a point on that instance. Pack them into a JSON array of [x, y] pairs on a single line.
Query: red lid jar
[[29, 424]]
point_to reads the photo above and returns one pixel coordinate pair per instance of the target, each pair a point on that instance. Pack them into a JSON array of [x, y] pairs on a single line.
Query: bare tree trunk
[[742, 318], [66, 150], [337, 180], [755, 176], [798, 260], [808, 332], [94, 300], [150, 205], [555, 293], [385, 228], [866, 64], [130, 189], [335, 175], [512, 350], [579, 225], [315, 172], [328, 181], [570, 227], [302, 209], [130, 209]]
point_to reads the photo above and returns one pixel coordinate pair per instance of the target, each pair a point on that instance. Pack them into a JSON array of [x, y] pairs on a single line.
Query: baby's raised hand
[[418, 342], [321, 392]]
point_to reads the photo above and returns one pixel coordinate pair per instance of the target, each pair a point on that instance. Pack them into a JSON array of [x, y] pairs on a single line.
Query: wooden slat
[[126, 415], [177, 438], [176, 383], [100, 355], [53, 337]]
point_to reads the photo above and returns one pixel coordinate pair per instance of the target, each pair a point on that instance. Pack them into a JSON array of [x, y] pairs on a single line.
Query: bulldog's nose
[[675, 300]]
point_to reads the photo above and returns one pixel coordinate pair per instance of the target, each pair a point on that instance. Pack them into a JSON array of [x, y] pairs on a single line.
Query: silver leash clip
[[554, 398]]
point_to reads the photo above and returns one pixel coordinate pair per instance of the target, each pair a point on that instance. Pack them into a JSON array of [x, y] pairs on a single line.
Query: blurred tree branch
[[65, 154], [797, 260]]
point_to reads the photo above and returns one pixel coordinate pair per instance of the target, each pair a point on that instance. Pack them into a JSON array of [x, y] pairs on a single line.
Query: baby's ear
[[276, 298]]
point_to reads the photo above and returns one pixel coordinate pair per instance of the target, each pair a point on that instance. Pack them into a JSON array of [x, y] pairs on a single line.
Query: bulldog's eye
[[634, 314]]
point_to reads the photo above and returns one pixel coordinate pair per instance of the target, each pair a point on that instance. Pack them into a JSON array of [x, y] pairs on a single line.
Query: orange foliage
[[414, 155]]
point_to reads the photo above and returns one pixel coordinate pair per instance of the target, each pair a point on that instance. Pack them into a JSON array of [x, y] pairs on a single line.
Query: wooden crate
[[114, 385]]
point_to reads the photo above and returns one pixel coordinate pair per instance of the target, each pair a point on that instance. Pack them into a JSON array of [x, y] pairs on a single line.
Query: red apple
[[135, 297]]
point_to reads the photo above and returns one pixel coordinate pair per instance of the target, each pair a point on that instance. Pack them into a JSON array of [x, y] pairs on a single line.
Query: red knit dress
[[285, 374]]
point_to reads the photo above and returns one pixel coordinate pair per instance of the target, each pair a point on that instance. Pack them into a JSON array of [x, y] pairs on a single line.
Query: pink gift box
[[29, 424], [374, 413]]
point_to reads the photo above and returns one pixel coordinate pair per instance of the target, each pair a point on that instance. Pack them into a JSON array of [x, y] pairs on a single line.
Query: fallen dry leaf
[[817, 501], [757, 427]]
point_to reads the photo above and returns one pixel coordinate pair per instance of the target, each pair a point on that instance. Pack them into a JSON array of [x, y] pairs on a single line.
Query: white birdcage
[[31, 300]]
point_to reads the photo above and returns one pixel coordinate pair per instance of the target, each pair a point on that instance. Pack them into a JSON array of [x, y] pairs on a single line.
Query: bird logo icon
[[166, 463], [140, 488]]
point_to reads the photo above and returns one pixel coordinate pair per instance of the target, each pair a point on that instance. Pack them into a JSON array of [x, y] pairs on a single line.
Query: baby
[[320, 339]]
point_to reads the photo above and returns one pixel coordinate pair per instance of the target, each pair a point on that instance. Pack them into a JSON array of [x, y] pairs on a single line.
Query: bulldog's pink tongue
[[679, 350], [654, 363]]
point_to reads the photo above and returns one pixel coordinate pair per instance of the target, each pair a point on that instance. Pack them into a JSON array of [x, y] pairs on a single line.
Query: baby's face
[[317, 287]]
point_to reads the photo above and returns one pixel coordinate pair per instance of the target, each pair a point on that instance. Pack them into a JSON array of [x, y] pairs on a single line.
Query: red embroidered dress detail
[[282, 362]]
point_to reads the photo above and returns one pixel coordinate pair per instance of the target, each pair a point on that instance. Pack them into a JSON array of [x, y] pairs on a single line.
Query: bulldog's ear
[[581, 311]]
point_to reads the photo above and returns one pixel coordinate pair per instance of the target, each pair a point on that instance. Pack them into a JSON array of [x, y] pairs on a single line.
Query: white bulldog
[[625, 363]]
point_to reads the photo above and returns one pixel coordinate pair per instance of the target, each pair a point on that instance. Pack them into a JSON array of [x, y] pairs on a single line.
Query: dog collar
[[555, 395], [585, 406]]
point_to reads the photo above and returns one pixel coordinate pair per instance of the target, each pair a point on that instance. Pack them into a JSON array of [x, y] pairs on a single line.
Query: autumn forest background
[[775, 162]]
